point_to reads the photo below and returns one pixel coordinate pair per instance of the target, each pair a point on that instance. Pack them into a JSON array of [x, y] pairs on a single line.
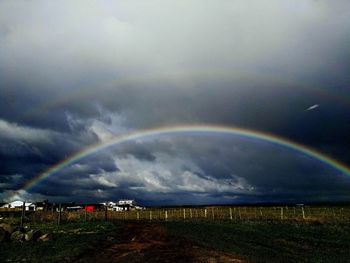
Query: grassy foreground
[[255, 241], [260, 241], [70, 241]]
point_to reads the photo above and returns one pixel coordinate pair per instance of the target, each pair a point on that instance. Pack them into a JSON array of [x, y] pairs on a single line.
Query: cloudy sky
[[77, 73]]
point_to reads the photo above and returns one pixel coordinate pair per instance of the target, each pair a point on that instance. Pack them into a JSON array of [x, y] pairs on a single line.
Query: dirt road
[[151, 243]]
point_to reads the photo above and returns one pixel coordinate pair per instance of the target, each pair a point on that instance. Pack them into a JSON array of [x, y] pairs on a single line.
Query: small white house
[[124, 205], [109, 204], [117, 208], [19, 204], [127, 202]]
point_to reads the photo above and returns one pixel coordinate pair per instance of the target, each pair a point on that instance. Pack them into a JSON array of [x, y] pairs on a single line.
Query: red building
[[89, 208]]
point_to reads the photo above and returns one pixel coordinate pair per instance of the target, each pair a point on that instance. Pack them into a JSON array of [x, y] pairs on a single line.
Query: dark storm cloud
[[73, 74]]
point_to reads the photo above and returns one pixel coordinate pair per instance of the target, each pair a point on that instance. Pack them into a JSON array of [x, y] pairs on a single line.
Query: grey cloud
[[69, 47]]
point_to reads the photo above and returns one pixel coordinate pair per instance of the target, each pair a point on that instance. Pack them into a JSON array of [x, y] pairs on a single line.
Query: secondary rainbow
[[184, 129], [83, 92]]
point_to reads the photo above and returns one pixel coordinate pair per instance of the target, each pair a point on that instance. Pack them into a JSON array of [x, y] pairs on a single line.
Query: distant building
[[19, 204], [109, 204], [74, 208], [118, 208], [89, 208], [123, 205], [127, 202]]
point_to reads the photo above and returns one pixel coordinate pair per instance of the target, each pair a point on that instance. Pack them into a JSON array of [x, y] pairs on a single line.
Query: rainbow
[[185, 129]]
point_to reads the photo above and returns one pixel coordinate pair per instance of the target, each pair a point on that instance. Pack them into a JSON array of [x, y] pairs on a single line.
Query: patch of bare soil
[[151, 243]]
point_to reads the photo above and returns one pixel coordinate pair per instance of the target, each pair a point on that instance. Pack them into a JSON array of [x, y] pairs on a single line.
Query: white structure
[[127, 202], [123, 205], [74, 208], [19, 204], [109, 204], [117, 208]]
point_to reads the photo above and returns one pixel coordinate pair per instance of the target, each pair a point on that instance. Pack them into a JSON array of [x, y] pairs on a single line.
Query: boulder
[[33, 235], [3, 235], [8, 228], [17, 236], [45, 237]]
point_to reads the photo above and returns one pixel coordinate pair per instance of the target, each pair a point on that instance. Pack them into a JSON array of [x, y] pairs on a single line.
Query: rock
[[8, 228], [33, 235], [3, 235], [17, 236], [76, 231], [45, 237]]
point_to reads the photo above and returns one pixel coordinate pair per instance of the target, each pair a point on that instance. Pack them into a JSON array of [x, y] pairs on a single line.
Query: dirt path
[[151, 243]]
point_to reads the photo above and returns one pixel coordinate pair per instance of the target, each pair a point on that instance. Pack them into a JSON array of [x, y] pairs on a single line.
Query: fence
[[339, 214], [236, 213]]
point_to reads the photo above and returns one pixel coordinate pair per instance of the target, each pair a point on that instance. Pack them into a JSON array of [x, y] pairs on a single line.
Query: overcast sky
[[75, 73]]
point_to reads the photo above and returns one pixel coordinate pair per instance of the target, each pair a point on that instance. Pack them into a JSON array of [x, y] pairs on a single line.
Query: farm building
[[93, 207], [19, 204], [74, 208], [126, 205], [123, 205], [89, 208]]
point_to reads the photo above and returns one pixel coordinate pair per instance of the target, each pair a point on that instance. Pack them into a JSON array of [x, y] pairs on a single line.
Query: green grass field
[[255, 241], [261, 241]]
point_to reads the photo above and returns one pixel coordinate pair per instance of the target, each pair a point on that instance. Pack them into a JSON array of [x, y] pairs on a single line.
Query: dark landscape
[[175, 131], [322, 236]]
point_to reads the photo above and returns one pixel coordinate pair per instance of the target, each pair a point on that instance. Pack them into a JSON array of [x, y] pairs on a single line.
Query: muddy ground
[[151, 243]]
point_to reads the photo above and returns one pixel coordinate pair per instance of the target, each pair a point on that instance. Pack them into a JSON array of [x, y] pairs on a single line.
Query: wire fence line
[[307, 213]]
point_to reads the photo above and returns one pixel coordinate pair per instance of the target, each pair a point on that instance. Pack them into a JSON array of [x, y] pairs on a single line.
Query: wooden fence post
[[184, 213], [190, 213], [231, 213], [150, 215], [59, 214], [281, 213], [23, 212], [166, 215], [255, 215], [33, 218], [303, 212], [239, 213], [212, 213], [205, 213]]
